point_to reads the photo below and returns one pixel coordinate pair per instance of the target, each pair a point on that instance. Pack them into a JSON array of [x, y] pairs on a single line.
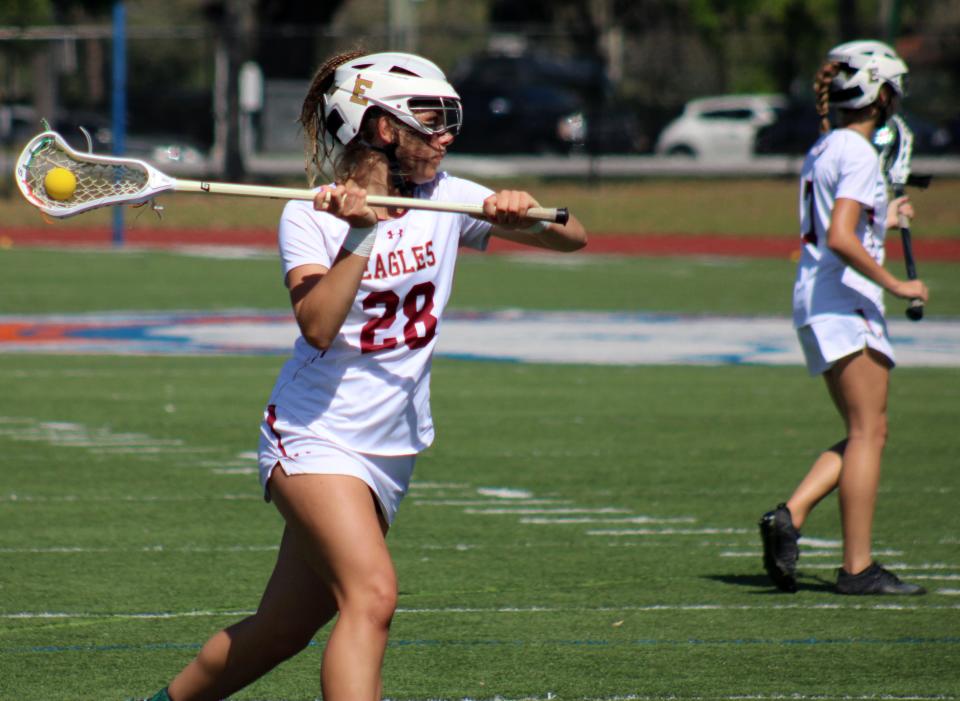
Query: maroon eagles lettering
[[400, 262]]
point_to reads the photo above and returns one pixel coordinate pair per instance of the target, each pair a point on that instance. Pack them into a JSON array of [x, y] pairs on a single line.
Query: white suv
[[719, 127]]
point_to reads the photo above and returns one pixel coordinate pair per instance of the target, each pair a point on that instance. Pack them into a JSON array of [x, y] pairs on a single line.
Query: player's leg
[[862, 381], [822, 478], [339, 529], [294, 606]]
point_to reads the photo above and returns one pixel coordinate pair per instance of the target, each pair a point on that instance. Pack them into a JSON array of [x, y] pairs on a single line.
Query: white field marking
[[73, 435], [223, 252], [949, 592], [923, 566], [438, 485], [28, 498], [76, 550], [504, 493], [807, 553], [244, 463], [670, 531], [820, 542], [508, 610], [938, 577], [542, 521], [563, 510], [549, 696], [419, 501], [68, 550], [675, 697]]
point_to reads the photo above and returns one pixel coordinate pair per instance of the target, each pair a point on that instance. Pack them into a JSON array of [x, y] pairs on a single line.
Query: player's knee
[[375, 601], [873, 430]]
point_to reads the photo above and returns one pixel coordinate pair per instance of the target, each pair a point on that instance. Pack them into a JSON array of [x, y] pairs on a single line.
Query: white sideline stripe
[[71, 498], [653, 608], [575, 510], [72, 550], [629, 519], [820, 542], [484, 502], [438, 485], [550, 696], [806, 553], [65, 549], [900, 566], [670, 531], [504, 492]]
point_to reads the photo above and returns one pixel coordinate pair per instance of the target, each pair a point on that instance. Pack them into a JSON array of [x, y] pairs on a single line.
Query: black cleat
[[780, 551], [875, 580]]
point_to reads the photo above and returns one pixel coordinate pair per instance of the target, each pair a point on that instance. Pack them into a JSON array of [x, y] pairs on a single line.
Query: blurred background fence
[[562, 87]]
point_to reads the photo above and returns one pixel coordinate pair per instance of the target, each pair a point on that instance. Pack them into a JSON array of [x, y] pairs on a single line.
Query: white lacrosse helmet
[[865, 66], [398, 83]]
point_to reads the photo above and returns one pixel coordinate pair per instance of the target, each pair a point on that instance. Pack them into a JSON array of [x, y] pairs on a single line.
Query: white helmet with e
[[401, 84], [865, 67]]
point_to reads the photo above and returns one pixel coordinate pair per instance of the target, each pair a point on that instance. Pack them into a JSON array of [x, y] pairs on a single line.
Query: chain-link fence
[[530, 90]]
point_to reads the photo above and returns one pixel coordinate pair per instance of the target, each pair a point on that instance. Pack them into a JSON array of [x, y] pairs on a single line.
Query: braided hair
[[821, 90], [318, 140]]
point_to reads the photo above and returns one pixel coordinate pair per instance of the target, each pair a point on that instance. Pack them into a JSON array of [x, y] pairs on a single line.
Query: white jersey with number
[[842, 164], [370, 390]]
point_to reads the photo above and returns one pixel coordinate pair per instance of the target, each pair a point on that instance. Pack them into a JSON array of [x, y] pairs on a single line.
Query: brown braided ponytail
[[821, 90], [318, 143]]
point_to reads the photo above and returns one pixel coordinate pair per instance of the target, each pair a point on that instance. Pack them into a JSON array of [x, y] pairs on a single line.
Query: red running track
[[604, 244]]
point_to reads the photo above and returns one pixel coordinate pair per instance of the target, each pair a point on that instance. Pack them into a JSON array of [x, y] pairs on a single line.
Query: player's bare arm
[[507, 210], [843, 241], [322, 297]]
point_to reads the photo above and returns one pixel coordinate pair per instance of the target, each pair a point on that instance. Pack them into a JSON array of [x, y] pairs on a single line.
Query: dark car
[[798, 127], [530, 103]]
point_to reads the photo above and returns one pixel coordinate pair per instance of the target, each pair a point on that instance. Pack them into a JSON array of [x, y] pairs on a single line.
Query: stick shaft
[[915, 308], [289, 193]]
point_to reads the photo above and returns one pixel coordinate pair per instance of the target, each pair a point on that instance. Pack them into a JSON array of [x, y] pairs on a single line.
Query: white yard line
[[510, 610]]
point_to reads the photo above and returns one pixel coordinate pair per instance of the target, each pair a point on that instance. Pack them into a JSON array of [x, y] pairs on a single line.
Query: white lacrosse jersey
[[370, 390], [841, 164]]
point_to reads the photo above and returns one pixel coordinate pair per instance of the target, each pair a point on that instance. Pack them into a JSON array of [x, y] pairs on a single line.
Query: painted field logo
[[593, 338]]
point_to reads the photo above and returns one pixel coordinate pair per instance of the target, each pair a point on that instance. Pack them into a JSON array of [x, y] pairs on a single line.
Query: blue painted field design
[[595, 338]]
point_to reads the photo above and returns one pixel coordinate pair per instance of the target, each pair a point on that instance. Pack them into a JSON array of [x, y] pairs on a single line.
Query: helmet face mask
[[410, 88], [865, 67], [436, 116]]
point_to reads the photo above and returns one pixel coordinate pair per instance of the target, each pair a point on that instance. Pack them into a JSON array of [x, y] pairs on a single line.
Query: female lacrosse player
[[350, 410], [839, 314]]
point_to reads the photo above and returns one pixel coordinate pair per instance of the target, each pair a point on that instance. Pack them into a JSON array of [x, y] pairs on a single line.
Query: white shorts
[[304, 453], [829, 339]]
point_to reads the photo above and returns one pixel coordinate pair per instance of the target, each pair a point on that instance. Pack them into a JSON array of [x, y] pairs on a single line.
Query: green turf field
[[575, 532], [48, 281]]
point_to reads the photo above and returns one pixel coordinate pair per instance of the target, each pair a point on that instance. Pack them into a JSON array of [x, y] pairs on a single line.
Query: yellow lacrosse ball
[[59, 183]]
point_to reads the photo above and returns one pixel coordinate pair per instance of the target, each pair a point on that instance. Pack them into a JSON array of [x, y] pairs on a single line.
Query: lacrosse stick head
[[101, 181], [894, 141]]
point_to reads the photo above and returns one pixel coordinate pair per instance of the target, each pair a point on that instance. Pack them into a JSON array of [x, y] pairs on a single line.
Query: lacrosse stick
[[101, 181], [895, 141]]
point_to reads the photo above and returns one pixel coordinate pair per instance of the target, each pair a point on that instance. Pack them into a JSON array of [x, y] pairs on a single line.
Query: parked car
[[721, 127], [797, 127], [531, 103]]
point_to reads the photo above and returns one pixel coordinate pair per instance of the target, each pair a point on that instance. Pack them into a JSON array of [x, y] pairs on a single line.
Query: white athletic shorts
[[829, 339], [388, 476]]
